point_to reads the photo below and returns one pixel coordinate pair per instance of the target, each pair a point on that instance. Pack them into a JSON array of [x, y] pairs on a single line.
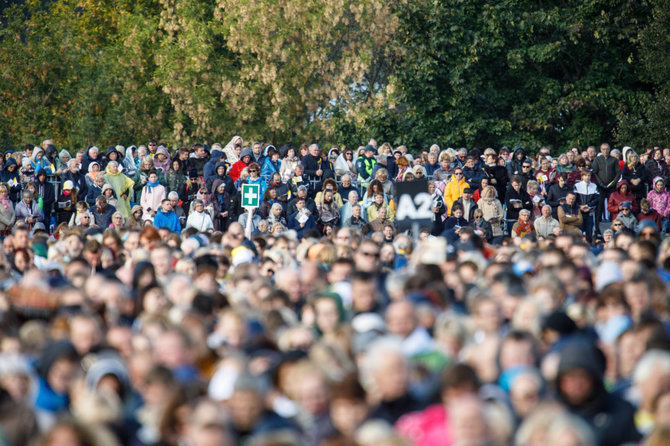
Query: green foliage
[[457, 72]]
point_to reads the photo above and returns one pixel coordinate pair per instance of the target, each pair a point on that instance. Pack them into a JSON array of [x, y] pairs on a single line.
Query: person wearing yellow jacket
[[454, 189]]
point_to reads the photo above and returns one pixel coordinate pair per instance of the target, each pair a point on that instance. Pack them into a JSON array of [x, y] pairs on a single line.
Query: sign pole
[[247, 229]]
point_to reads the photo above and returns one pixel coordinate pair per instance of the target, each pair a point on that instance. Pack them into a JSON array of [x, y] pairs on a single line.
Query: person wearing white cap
[[65, 204]]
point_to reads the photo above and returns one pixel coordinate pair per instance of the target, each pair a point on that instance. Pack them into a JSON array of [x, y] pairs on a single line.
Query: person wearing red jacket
[[245, 159], [622, 193]]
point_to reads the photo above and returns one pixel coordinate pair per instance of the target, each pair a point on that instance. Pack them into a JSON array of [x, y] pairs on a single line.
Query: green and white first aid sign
[[251, 195]]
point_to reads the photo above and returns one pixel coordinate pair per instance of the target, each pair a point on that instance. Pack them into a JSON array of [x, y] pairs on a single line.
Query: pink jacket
[[660, 202], [152, 200], [430, 427]]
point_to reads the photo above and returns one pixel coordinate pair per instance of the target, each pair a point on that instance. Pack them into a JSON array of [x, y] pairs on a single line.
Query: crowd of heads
[[142, 304]]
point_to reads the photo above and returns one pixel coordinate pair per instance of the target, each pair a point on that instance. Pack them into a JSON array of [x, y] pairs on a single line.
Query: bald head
[[400, 318]]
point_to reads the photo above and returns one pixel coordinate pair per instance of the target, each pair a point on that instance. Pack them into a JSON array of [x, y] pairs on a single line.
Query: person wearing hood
[[215, 157], [55, 369], [621, 195], [61, 162], [91, 154], [271, 164], [514, 165], [233, 149], [245, 159], [39, 161], [122, 185], [659, 198], [162, 159], [94, 168], [224, 205], [220, 174], [579, 385], [46, 191], [7, 215], [112, 154], [12, 177], [199, 219], [130, 161]]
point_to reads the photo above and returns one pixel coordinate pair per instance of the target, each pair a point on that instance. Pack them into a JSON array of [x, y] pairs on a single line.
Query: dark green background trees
[[456, 72]]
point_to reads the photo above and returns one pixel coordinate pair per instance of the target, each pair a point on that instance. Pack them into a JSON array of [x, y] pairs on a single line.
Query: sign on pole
[[251, 195], [415, 205]]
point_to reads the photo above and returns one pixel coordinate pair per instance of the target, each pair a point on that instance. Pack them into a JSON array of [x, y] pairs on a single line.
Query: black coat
[[522, 195]]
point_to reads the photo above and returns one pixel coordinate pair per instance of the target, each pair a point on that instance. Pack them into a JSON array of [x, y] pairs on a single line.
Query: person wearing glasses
[[627, 217], [454, 189], [518, 159], [516, 199], [482, 227]]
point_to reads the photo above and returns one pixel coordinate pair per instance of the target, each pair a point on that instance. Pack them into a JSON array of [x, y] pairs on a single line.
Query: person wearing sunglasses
[[454, 189]]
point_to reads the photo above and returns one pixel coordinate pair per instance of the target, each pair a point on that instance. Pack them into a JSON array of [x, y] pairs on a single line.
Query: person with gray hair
[[546, 225], [199, 219], [385, 373], [650, 377]]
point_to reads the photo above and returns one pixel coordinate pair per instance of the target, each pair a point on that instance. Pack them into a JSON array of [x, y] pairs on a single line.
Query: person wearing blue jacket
[[271, 164], [296, 225], [209, 170], [167, 218]]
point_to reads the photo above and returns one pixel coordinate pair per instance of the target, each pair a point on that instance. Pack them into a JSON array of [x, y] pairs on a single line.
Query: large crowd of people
[[143, 305]]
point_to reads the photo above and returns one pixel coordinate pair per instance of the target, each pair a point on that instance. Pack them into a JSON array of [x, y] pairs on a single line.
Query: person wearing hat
[[580, 387], [626, 216], [365, 165], [659, 198], [122, 185], [467, 204], [623, 193], [246, 158]]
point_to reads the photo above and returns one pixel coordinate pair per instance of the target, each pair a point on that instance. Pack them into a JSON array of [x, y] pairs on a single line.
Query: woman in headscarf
[[131, 161], [93, 170], [7, 216], [122, 186], [61, 162], [232, 150], [162, 159]]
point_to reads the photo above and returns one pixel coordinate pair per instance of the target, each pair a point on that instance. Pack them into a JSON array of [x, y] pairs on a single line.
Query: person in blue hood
[[580, 386], [55, 372], [209, 170]]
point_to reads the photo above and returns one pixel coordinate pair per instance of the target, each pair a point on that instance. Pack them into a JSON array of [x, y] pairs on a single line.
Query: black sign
[[415, 205]]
